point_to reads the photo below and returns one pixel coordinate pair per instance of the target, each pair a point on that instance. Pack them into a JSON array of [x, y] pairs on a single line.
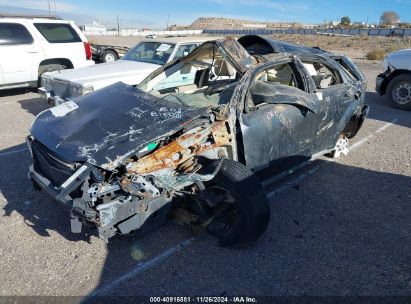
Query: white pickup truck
[[32, 45], [395, 82], [137, 64]]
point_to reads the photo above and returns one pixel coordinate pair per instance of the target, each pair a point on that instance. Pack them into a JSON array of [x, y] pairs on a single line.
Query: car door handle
[[33, 52]]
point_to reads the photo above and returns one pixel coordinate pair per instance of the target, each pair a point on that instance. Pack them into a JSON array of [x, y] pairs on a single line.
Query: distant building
[[254, 25], [94, 29], [129, 32], [309, 26], [359, 23]]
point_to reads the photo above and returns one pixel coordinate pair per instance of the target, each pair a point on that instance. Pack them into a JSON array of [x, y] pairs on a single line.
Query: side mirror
[[185, 53]]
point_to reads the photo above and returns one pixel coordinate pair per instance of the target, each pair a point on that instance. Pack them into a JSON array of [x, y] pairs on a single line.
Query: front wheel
[[234, 207], [399, 92]]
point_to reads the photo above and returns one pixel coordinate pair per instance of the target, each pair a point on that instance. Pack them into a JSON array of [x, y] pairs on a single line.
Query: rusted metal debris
[[183, 148]]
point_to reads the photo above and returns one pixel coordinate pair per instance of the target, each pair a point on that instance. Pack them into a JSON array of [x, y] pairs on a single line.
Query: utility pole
[[118, 26], [168, 20], [55, 10], [49, 6]]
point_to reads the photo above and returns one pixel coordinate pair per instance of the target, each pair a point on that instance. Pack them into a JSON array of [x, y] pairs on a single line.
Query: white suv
[[30, 46]]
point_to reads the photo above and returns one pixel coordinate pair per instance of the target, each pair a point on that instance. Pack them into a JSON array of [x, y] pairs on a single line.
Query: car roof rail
[[4, 15]]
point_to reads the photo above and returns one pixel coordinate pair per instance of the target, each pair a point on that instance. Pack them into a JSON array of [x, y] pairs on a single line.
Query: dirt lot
[[355, 47], [337, 227]]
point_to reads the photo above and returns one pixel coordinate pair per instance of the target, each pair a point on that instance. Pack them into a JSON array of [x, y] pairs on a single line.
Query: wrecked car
[[119, 156]]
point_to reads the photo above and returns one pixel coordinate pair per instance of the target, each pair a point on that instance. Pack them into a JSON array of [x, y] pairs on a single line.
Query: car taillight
[[87, 48]]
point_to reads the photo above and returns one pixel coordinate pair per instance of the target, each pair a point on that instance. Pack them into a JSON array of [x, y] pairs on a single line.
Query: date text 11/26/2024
[[223, 299]]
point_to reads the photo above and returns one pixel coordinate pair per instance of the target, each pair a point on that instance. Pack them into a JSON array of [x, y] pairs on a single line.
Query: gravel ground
[[337, 227]]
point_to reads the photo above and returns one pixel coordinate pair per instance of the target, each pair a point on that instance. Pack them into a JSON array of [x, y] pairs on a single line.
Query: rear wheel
[[234, 206], [108, 56], [399, 92]]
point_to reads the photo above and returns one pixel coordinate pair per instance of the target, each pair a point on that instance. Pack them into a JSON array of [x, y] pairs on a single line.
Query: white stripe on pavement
[[365, 139], [140, 268], [297, 180]]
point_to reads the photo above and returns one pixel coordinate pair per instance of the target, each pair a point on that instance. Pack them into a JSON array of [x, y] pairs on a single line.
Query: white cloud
[[40, 5]]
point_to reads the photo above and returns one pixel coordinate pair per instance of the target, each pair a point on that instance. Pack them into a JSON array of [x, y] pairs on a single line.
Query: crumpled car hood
[[108, 126]]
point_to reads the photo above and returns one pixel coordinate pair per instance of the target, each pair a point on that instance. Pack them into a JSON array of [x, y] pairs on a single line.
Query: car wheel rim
[[341, 148], [110, 58], [402, 93]]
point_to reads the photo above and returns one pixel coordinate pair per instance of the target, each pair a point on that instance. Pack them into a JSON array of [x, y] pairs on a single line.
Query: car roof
[[33, 18], [259, 45], [4, 15]]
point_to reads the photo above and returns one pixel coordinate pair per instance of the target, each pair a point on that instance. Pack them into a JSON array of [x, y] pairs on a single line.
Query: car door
[[338, 98], [280, 121], [237, 54], [18, 51]]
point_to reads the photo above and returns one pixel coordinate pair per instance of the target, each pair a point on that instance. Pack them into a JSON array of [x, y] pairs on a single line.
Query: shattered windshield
[[150, 52], [204, 79]]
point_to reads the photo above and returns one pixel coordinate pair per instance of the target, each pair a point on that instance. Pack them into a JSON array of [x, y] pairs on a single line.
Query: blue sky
[[154, 14]]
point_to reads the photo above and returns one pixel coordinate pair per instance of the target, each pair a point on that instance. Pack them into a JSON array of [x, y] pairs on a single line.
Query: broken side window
[[276, 80], [282, 74], [323, 75], [349, 68], [204, 79]]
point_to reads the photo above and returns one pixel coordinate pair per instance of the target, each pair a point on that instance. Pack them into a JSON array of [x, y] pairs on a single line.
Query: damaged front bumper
[[382, 80], [379, 83], [119, 204], [115, 213], [119, 215], [49, 97], [42, 183]]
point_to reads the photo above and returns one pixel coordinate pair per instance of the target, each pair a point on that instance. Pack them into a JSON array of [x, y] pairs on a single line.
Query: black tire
[[399, 92], [107, 55], [250, 203], [49, 68]]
